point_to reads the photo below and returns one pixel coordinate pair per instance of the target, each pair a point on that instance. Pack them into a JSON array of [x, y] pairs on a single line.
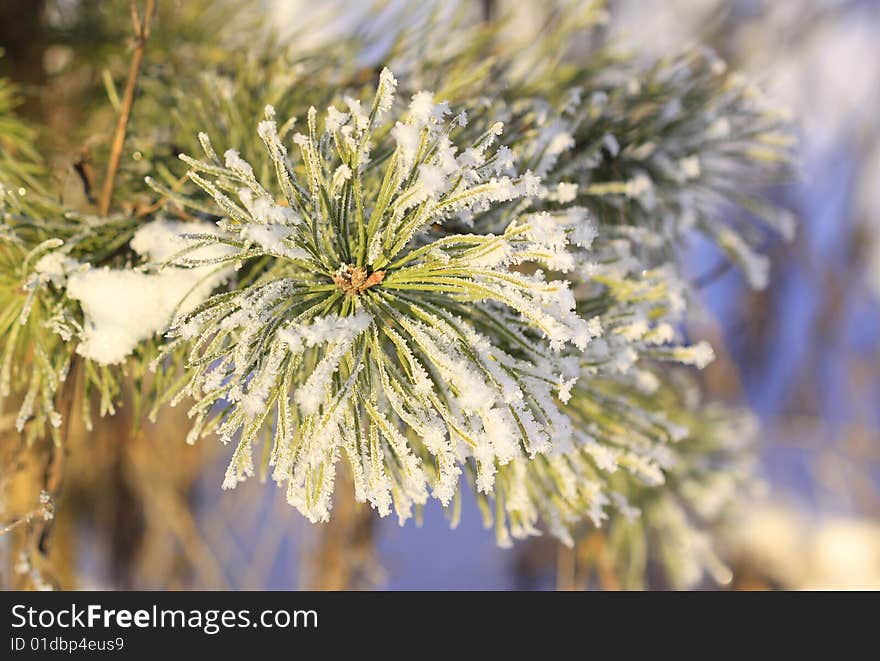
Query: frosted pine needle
[[374, 334]]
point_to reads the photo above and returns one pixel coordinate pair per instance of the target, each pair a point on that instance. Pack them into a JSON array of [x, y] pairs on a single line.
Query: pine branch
[[141, 35], [385, 294]]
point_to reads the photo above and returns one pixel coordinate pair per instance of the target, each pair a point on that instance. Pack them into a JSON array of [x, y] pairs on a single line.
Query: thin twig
[[141, 34], [53, 477], [15, 523]]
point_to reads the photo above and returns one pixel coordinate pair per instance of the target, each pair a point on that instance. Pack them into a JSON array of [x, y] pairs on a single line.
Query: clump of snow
[[270, 238], [407, 137], [320, 330], [55, 267], [160, 240], [123, 307]]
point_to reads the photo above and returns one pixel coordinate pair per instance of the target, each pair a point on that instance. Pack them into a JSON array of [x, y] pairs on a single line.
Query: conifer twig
[[141, 34], [53, 476], [17, 522]]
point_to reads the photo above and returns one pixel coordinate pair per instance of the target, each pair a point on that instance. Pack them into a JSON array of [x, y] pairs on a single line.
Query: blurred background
[[803, 354]]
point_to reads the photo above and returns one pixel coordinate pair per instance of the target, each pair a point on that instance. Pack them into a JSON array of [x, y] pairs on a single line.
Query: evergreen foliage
[[466, 272]]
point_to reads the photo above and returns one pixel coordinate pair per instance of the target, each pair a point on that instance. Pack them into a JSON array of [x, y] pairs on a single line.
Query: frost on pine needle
[[376, 335], [677, 145], [675, 151], [621, 440]]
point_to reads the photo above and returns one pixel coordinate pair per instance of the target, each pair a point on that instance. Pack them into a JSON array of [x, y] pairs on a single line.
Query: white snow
[[407, 138], [123, 307], [56, 267]]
